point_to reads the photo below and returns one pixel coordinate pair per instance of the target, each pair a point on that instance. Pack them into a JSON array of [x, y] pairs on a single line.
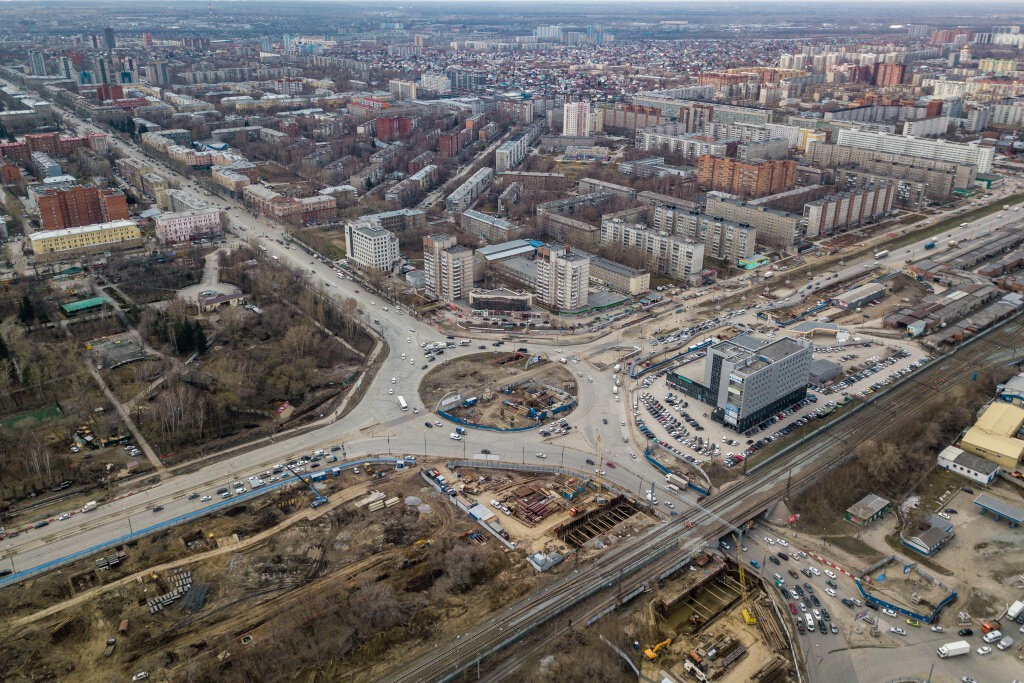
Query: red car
[[610, 464], [792, 608]]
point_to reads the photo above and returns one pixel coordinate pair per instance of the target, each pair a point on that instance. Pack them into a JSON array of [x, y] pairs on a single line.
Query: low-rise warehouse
[[968, 465], [994, 435], [859, 296]]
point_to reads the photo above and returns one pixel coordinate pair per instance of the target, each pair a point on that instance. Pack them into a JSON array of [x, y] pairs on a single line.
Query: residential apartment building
[[491, 228], [748, 379], [578, 119], [436, 83], [666, 139], [724, 240], [393, 127], [907, 193], [464, 195], [532, 181], [402, 90], [85, 238], [629, 116], [827, 215], [371, 247], [511, 152], [962, 153], [746, 178], [398, 220], [447, 267], [562, 278], [664, 253], [69, 206], [776, 229], [186, 226], [829, 156]]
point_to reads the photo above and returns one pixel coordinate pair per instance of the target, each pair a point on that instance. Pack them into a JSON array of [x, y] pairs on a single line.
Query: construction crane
[[652, 652]]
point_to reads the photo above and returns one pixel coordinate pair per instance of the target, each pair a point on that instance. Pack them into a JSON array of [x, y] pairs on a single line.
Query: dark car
[[965, 632], [969, 491], [40, 525], [4, 572], [482, 347], [158, 508], [822, 627], [848, 602], [830, 582], [424, 367], [604, 420], [589, 461], [825, 615], [951, 511], [485, 451], [335, 448], [222, 489], [428, 425], [783, 556], [773, 559], [815, 600], [193, 496]]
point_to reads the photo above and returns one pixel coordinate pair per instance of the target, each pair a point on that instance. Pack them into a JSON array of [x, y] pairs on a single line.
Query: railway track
[[631, 566]]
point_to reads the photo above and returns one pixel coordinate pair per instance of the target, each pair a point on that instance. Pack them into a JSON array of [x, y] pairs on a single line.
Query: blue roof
[[987, 502]]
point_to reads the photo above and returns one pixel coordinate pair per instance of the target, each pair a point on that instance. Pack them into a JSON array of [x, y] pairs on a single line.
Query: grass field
[[41, 415]]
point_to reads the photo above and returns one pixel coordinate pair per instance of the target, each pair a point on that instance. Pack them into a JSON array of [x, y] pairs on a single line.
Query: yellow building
[[994, 435], [85, 238]]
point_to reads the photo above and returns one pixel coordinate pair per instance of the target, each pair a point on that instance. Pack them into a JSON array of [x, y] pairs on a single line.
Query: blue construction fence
[[900, 610], [73, 557], [459, 421]]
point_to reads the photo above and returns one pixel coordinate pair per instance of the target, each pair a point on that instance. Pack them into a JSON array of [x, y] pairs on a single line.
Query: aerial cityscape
[[511, 342]]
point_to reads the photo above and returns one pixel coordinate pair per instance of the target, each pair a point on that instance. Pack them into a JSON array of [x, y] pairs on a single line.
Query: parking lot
[[837, 638]]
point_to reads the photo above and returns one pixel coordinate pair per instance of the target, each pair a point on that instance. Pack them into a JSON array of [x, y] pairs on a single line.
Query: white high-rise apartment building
[[958, 152], [562, 277], [439, 83], [371, 247], [576, 118]]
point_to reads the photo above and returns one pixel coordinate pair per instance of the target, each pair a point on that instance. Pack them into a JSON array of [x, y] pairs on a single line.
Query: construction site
[[384, 564], [710, 621], [542, 511], [500, 390]]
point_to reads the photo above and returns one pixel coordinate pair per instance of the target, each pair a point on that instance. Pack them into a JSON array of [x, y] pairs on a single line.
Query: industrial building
[[969, 465], [859, 296], [995, 435], [619, 277]]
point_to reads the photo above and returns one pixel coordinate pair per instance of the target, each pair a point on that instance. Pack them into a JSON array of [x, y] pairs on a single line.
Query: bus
[[881, 254], [402, 403]]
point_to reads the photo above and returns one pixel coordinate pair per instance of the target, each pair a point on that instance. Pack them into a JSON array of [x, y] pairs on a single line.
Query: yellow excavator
[[652, 652]]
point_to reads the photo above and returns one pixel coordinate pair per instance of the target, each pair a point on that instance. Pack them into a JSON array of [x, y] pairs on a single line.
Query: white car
[[890, 613], [898, 631], [831, 592], [437, 423], [240, 490], [769, 541], [782, 542], [66, 515], [814, 570], [830, 574], [541, 456], [984, 650], [938, 629], [455, 437], [391, 391], [205, 499]]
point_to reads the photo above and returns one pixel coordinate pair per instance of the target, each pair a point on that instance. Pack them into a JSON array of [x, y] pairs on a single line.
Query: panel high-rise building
[[447, 267], [37, 63], [108, 38], [562, 277], [576, 118]]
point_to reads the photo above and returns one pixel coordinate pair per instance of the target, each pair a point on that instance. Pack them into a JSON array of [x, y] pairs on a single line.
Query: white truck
[[1015, 610], [954, 649], [89, 507]]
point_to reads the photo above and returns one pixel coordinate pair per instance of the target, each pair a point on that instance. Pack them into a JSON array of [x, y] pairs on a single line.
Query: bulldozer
[[652, 652], [422, 544]]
